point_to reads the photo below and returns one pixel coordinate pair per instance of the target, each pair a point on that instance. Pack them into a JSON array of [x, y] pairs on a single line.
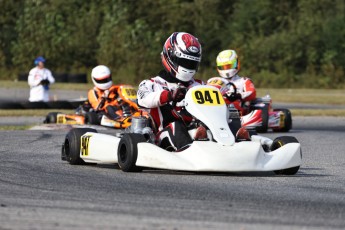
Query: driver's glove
[[233, 97], [178, 94]]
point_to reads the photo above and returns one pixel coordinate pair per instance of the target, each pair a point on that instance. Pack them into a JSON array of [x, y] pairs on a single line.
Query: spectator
[[39, 80]]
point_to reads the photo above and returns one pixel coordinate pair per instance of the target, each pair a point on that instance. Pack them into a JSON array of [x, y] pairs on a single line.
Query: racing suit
[[107, 101], [39, 80], [245, 90], [153, 94]]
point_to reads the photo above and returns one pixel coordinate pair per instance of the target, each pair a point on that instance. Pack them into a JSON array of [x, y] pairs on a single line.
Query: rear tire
[[127, 152], [287, 121], [51, 118], [264, 116], [279, 142], [71, 147], [92, 118]]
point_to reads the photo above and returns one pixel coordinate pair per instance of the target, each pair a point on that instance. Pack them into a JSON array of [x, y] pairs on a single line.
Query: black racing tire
[[279, 142], [92, 118], [71, 147], [127, 152], [287, 121], [264, 115], [51, 118]]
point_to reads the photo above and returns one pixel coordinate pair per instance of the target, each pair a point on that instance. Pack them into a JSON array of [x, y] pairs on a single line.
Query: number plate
[[129, 93], [207, 97]]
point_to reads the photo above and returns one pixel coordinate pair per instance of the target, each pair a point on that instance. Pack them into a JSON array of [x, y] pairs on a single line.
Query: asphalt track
[[39, 191]]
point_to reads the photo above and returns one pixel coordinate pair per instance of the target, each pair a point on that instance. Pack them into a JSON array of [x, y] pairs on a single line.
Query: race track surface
[[39, 191]]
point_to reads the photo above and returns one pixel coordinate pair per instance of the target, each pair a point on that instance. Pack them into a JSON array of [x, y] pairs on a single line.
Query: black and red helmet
[[181, 55]]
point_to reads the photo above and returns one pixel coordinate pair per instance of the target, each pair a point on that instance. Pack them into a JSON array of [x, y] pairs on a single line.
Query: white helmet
[[101, 77], [228, 63]]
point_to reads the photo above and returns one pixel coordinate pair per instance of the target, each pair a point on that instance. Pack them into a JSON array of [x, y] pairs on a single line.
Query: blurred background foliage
[[285, 44]]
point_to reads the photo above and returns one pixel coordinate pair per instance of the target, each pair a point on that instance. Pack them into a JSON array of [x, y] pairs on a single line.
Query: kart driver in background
[[228, 66], [181, 57], [104, 95]]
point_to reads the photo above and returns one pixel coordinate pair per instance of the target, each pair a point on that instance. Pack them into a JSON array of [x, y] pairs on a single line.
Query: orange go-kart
[[86, 115]]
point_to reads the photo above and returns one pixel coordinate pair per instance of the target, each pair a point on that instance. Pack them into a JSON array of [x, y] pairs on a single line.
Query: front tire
[[127, 152], [279, 142], [71, 147]]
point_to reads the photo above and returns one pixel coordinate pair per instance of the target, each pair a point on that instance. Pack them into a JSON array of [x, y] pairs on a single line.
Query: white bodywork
[[221, 155]]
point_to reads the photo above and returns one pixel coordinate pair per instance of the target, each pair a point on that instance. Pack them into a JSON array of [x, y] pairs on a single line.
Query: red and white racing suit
[[244, 86], [153, 95]]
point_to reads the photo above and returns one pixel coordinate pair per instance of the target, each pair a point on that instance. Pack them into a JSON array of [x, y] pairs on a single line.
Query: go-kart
[[136, 149], [86, 115], [257, 114]]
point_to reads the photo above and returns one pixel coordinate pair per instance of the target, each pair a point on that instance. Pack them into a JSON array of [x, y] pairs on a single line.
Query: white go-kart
[[136, 150]]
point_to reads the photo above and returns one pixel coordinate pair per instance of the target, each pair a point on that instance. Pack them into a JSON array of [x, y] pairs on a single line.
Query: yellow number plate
[[129, 93], [207, 97]]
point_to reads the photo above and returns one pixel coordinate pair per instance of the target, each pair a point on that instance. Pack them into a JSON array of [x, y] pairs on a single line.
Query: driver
[[228, 66], [181, 57], [104, 96]]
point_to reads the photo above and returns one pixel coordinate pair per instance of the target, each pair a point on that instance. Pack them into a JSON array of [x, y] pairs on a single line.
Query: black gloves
[[45, 82], [233, 97], [178, 94]]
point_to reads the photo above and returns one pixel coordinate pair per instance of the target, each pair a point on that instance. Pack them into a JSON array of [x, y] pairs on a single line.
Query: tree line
[[295, 43]]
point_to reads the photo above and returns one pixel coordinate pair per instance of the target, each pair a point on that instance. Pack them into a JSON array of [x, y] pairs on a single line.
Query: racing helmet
[[181, 55], [228, 63], [101, 77]]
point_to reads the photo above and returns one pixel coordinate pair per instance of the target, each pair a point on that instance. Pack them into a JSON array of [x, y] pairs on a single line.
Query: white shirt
[[37, 91]]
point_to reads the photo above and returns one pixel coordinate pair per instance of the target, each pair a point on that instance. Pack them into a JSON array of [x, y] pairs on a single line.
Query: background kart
[[85, 115], [257, 114], [262, 116], [220, 152]]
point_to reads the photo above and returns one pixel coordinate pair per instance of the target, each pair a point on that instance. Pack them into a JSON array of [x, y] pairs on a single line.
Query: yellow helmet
[[228, 64]]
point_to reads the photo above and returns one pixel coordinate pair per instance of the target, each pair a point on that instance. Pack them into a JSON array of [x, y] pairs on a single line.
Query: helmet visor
[[187, 63], [228, 66], [102, 81]]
